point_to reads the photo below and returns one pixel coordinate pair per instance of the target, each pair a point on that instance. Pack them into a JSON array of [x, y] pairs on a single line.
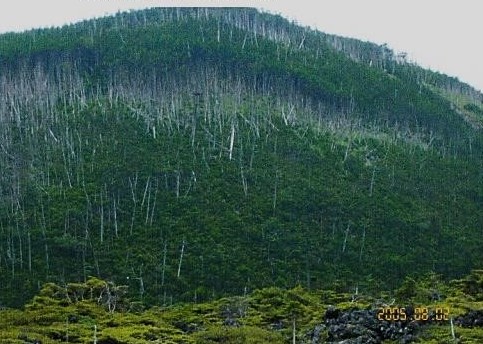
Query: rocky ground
[[470, 319], [363, 327], [360, 326]]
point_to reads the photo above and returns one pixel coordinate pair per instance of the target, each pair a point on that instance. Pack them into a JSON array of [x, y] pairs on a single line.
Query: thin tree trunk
[[362, 245], [345, 237], [115, 217], [274, 205], [164, 264], [347, 149], [133, 186], [371, 188], [177, 183], [181, 258], [154, 203], [232, 139], [102, 220], [30, 251]]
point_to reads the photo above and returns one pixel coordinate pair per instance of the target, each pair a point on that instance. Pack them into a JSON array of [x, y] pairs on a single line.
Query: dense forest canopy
[[193, 153]]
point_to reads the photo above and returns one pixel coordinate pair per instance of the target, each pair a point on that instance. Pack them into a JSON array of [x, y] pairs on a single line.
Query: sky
[[441, 35]]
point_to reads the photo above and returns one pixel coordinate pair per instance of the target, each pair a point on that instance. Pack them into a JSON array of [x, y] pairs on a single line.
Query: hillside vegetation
[[191, 154], [99, 312]]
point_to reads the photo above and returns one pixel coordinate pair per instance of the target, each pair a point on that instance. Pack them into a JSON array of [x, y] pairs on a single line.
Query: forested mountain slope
[[192, 153]]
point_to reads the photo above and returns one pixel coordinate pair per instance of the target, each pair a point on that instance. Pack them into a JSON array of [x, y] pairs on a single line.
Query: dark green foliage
[[190, 153], [473, 108]]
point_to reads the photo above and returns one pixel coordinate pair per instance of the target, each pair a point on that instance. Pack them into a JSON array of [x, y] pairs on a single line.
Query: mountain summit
[[198, 152]]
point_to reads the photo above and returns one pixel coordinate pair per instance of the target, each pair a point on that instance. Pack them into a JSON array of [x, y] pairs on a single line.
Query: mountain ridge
[[161, 144]]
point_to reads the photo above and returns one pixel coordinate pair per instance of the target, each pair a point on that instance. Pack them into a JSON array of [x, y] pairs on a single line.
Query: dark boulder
[[358, 326], [470, 319]]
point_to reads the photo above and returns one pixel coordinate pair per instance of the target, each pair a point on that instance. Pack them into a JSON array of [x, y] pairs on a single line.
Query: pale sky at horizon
[[441, 35]]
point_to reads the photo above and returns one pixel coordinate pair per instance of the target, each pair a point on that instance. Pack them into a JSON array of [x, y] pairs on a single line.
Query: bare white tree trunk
[[154, 203], [453, 335], [177, 183], [133, 193], [116, 230], [232, 139], [347, 149], [102, 219], [181, 258], [30, 251]]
